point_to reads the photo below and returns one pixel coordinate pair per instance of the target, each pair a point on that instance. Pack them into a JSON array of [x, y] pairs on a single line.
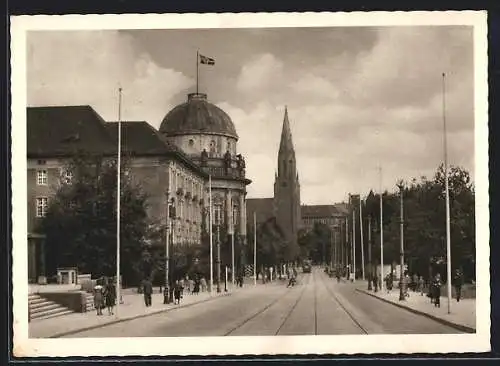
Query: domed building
[[206, 134]]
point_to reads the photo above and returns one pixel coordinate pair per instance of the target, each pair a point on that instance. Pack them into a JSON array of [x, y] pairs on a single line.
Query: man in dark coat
[[458, 282], [148, 290]]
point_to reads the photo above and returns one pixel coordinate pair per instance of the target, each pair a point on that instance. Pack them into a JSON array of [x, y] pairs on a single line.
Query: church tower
[[287, 187]]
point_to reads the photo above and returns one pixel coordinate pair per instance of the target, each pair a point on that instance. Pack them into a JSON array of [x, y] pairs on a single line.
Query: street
[[317, 305]]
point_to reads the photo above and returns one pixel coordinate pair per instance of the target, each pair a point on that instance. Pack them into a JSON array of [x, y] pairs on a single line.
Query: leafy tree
[[425, 225], [80, 225]]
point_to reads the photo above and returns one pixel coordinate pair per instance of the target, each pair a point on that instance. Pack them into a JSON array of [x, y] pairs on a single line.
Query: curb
[[70, 332], [460, 327]]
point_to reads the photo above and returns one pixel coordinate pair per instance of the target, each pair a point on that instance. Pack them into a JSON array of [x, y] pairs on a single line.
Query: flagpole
[[254, 249], [210, 233], [197, 68], [232, 246], [362, 242], [381, 234], [447, 193], [118, 199]]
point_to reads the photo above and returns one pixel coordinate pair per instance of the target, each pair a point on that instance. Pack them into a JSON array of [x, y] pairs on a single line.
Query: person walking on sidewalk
[[178, 292], [421, 285], [98, 298], [110, 294], [436, 290], [458, 282], [148, 290]]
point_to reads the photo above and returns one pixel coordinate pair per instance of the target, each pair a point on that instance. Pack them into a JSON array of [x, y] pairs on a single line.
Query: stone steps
[[41, 308]]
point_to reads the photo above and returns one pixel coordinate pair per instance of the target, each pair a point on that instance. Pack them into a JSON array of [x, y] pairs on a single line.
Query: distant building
[[196, 140]]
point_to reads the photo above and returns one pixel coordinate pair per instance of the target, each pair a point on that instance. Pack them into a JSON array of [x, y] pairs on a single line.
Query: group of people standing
[[417, 284], [104, 295], [191, 286]]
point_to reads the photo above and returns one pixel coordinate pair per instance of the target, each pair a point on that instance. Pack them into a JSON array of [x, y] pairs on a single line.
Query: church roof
[[322, 210], [197, 116], [286, 143], [263, 208], [57, 131]]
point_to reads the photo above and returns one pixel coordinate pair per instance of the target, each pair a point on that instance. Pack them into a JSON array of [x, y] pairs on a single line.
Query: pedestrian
[[196, 289], [148, 290], [203, 284], [415, 282], [182, 284], [406, 285], [421, 285], [98, 297], [191, 285], [375, 283], [388, 282], [178, 292], [436, 287], [110, 294], [458, 282]]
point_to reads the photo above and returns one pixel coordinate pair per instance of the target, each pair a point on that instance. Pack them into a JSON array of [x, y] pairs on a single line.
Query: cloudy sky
[[357, 97]]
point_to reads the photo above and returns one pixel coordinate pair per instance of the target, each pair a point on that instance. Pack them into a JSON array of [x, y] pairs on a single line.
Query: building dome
[[197, 116]]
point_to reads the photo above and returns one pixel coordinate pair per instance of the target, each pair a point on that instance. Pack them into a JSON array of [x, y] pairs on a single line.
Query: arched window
[[191, 142]]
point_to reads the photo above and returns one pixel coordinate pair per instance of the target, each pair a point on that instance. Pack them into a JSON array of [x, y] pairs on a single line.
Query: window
[[235, 215], [41, 206], [41, 177], [67, 176], [217, 220], [191, 142]]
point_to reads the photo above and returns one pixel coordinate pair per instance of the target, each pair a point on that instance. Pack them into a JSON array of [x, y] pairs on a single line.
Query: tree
[[80, 225], [316, 244], [425, 225]]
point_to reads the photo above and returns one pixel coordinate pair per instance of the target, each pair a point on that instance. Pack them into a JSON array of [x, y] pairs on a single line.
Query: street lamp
[[401, 248], [218, 257], [370, 268], [168, 294]]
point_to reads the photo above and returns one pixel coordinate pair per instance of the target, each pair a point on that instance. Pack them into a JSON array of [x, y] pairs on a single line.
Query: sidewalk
[[462, 316], [132, 308]]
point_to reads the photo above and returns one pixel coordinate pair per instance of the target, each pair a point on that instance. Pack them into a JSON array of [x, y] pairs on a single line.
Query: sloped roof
[[322, 210], [263, 208], [63, 130], [139, 138]]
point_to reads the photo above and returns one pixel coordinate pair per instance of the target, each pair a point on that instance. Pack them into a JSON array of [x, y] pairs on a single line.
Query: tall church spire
[[286, 134], [287, 187]]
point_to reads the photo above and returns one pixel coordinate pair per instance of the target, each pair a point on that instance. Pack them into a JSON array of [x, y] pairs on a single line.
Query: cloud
[[73, 68], [357, 97], [260, 73]]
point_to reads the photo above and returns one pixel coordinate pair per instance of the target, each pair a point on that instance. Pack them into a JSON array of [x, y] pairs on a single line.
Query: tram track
[[342, 306], [269, 306]]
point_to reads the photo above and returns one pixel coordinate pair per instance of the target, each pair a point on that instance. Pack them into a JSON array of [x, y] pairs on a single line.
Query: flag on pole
[[204, 60]]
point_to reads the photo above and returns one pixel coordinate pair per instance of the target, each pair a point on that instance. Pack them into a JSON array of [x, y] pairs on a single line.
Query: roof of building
[[263, 208], [63, 130], [197, 116], [139, 138], [322, 210]]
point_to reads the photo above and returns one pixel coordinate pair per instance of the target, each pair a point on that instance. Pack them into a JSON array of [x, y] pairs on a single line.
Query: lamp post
[[218, 257], [401, 248], [370, 269]]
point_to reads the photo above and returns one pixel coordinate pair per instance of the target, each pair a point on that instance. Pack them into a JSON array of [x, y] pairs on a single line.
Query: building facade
[[165, 163]]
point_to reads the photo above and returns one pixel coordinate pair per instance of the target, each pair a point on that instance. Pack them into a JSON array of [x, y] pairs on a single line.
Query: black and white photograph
[[205, 184]]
